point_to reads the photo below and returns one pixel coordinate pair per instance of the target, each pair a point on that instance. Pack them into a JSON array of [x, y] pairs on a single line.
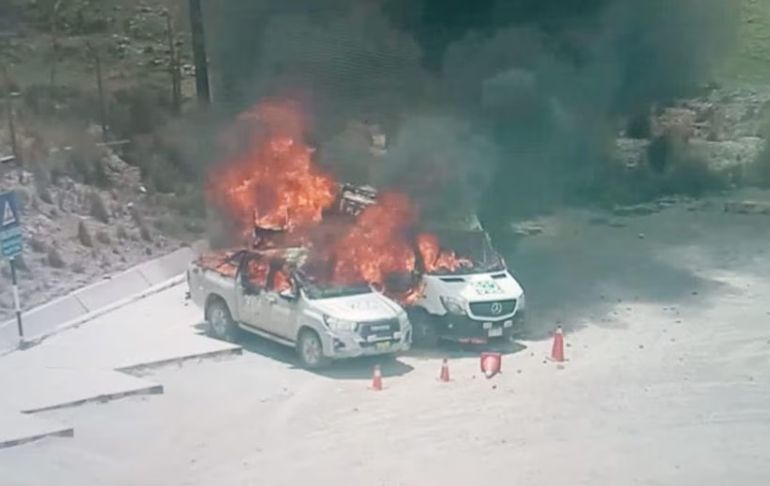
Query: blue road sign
[[10, 225]]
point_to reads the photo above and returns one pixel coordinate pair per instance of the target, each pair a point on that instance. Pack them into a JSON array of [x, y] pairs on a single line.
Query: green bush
[[189, 201], [84, 235], [144, 232], [639, 126], [139, 110], [98, 208], [85, 163], [54, 258]]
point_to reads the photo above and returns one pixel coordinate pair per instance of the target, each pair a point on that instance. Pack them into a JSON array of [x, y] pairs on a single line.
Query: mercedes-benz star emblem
[[496, 308]]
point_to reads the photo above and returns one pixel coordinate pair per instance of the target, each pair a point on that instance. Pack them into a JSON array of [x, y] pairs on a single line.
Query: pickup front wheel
[[220, 322], [311, 351]]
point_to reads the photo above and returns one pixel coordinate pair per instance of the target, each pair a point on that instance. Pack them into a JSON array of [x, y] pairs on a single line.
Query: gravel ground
[[666, 320]]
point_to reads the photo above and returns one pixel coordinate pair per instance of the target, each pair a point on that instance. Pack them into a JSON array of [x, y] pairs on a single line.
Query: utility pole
[[199, 53], [11, 123], [54, 26], [100, 86], [176, 82]]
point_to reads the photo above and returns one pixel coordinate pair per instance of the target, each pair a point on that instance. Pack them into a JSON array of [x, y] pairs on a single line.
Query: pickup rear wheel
[[220, 322], [310, 350]]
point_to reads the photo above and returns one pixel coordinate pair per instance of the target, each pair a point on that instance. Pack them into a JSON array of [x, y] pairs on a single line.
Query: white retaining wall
[[87, 302]]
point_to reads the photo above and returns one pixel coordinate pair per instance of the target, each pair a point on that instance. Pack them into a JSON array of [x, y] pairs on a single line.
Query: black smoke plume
[[505, 105]]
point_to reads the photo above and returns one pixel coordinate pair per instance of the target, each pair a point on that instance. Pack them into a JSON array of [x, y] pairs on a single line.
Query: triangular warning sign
[[8, 215]]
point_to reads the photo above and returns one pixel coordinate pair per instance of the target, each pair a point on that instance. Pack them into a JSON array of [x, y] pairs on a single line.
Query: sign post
[[11, 244]]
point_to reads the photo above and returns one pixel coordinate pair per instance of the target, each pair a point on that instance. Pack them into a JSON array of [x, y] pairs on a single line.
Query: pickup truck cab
[[274, 294]]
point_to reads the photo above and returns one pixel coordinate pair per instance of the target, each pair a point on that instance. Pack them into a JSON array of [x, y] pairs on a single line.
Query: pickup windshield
[[316, 286], [470, 245]]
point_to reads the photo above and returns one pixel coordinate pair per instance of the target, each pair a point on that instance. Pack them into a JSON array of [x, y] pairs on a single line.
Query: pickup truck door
[[281, 315], [280, 312], [250, 293]]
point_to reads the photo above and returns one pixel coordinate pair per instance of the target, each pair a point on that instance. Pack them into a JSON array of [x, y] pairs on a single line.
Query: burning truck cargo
[[279, 198]]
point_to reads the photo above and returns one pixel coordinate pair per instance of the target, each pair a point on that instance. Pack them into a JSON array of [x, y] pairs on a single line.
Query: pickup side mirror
[[289, 295]]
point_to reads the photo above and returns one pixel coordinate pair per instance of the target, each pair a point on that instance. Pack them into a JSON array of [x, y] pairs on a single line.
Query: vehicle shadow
[[579, 273], [363, 368], [453, 350], [348, 369]]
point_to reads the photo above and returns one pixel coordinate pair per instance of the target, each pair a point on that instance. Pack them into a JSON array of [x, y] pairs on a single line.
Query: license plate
[[496, 332], [382, 346]]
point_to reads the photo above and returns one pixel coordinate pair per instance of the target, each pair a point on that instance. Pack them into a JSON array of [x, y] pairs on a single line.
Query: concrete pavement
[[79, 365], [93, 300]]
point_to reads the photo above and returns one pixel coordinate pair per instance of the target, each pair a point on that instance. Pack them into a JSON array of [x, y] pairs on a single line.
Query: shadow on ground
[[578, 273], [348, 369], [452, 350]]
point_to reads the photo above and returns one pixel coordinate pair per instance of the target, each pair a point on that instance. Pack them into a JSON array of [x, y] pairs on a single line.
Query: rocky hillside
[[76, 233], [94, 202]]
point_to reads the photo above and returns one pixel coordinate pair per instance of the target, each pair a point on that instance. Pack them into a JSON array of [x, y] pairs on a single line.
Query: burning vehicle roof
[[273, 189]]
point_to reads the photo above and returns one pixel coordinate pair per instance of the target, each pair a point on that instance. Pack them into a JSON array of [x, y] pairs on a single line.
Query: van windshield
[[470, 245]]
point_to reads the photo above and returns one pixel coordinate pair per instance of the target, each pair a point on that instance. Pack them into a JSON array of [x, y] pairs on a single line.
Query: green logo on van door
[[487, 287]]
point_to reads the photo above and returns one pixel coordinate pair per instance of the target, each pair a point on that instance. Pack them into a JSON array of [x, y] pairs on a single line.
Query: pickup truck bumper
[[463, 329], [351, 345]]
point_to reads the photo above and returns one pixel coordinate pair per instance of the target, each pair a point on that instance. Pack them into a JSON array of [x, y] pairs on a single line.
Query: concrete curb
[[234, 351], [63, 432], [150, 389], [94, 299]]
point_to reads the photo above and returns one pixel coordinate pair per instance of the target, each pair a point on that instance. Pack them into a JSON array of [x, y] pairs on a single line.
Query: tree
[[54, 27], [173, 66], [100, 87]]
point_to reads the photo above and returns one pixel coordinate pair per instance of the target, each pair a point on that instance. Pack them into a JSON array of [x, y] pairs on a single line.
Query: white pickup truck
[[274, 294]]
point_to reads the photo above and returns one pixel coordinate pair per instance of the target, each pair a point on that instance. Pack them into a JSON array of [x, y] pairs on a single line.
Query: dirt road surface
[[667, 322]]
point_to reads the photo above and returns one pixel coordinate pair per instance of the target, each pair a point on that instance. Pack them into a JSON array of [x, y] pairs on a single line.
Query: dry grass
[[751, 60]]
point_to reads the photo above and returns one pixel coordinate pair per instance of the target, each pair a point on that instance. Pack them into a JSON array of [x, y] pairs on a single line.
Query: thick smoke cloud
[[442, 161], [530, 93]]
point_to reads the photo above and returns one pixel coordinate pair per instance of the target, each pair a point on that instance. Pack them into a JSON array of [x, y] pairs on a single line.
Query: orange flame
[[377, 244], [437, 259], [271, 182], [256, 271], [281, 281], [219, 262]]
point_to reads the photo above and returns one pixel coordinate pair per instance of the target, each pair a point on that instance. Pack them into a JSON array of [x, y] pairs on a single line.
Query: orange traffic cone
[[557, 353], [377, 379], [491, 364], [444, 371]]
